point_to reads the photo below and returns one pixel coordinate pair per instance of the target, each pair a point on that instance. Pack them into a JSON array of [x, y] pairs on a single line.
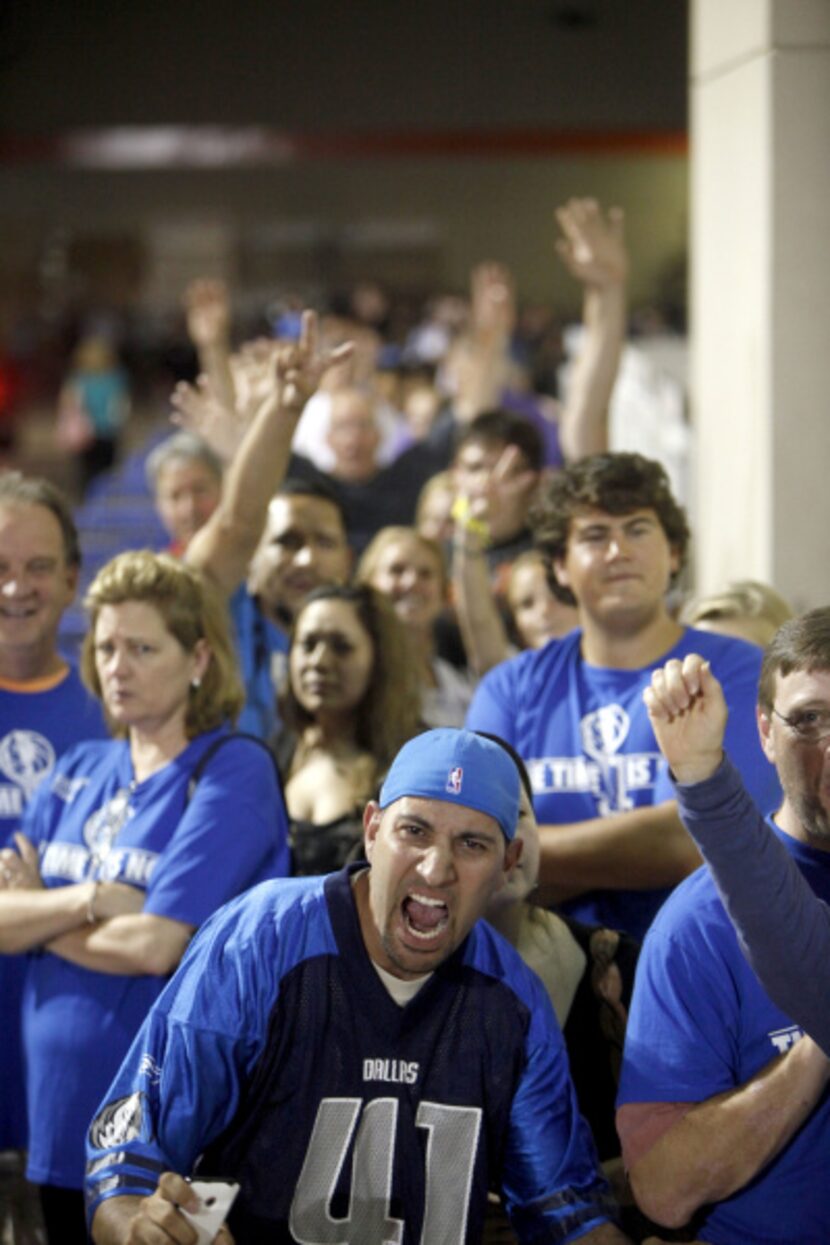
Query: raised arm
[[483, 357], [593, 250], [209, 323], [224, 546], [482, 628], [783, 927]]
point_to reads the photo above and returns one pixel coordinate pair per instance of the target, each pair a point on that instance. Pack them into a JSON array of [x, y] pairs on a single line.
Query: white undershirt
[[402, 991]]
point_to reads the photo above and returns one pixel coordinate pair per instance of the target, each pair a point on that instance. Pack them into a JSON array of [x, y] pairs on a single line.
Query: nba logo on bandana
[[454, 780]]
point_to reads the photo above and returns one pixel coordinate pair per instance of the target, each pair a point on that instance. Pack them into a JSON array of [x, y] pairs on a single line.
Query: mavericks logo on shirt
[[119, 1122], [26, 758], [603, 771], [783, 1039]]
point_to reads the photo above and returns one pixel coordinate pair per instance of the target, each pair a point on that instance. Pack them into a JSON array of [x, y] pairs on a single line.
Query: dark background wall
[[404, 138]]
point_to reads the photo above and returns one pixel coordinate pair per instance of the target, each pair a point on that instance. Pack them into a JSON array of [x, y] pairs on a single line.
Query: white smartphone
[[217, 1197]]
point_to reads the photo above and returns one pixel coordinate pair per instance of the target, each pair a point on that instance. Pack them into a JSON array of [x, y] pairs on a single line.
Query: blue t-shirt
[[38, 722], [584, 734], [783, 928], [277, 1053], [262, 652], [700, 1024], [91, 820]]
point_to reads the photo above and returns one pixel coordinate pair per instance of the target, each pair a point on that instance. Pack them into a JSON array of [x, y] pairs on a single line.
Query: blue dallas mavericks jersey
[[39, 720], [278, 1054], [701, 1024], [585, 737], [189, 856]]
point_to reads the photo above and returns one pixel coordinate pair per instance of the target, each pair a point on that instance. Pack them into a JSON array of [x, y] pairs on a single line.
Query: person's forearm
[[132, 946], [482, 629], [225, 545], [642, 849], [483, 378], [215, 362], [721, 1145], [783, 926], [30, 918], [583, 422]]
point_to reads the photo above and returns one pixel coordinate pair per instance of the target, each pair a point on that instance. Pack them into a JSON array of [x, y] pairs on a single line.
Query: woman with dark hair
[[350, 702], [126, 849]]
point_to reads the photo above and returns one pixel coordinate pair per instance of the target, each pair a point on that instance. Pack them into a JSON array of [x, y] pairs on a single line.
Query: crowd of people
[[355, 874]]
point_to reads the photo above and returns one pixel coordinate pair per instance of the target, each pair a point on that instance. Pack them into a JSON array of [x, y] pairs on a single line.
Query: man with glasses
[[723, 1112]]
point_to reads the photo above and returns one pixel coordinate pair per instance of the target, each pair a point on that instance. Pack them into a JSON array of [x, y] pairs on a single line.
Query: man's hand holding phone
[[186, 1212]]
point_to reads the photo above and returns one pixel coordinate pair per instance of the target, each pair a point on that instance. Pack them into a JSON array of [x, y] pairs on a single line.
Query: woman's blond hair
[[191, 610], [749, 600], [380, 542]]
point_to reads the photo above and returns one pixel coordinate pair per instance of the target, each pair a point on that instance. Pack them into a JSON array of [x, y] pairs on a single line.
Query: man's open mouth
[[425, 918]]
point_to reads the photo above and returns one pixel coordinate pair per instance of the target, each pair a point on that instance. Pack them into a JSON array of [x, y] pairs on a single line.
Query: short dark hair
[[799, 644], [296, 486], [19, 490], [616, 483], [503, 428]]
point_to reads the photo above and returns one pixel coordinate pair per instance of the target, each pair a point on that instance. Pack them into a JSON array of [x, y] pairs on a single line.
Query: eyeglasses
[[810, 725]]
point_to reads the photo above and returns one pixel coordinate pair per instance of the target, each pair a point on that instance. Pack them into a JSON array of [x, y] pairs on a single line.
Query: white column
[[760, 289]]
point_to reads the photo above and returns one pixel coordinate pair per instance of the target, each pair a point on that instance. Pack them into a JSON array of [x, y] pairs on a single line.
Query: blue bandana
[[456, 767]]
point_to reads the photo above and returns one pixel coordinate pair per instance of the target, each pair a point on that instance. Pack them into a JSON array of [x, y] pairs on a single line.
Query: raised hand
[[301, 365], [593, 246], [207, 309], [20, 869], [197, 409], [688, 714], [253, 372]]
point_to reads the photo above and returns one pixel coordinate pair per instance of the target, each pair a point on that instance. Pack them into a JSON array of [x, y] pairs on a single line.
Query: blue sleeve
[[682, 1031], [233, 834], [493, 707], [783, 927], [553, 1187], [181, 1080], [742, 741]]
